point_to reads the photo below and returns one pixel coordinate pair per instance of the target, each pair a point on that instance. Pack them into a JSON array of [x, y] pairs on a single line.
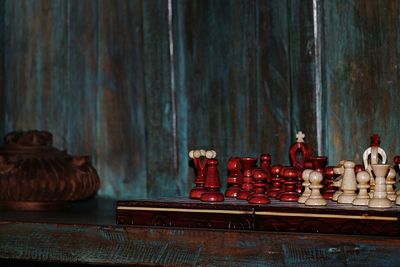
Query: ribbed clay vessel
[[36, 176]]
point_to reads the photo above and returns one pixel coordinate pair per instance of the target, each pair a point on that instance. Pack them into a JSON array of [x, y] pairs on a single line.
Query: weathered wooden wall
[[138, 83], [137, 86], [361, 79]]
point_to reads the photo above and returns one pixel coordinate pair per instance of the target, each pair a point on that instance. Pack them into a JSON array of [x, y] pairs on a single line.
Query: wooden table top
[[87, 233]]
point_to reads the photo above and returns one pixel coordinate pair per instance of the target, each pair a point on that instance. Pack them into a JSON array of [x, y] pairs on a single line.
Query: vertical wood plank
[[2, 87], [35, 56], [184, 175], [302, 71], [159, 108], [120, 138], [361, 71], [237, 76], [274, 60]]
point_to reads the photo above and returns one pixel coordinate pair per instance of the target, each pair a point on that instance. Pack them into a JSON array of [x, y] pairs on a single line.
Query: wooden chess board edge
[[187, 210], [320, 215]]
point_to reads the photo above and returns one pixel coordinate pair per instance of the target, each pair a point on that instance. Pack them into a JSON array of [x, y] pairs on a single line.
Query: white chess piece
[[380, 200], [316, 198], [339, 170], [362, 198], [307, 192], [371, 156], [349, 184], [390, 181]]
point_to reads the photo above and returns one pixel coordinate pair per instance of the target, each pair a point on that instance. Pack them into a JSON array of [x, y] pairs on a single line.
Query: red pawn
[[248, 164], [259, 197], [212, 183], [290, 193], [235, 177], [265, 164], [276, 185], [330, 176]]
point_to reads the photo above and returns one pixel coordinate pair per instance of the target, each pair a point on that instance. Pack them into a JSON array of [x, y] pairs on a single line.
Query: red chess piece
[[212, 183], [290, 193], [319, 163], [248, 164], [265, 164], [200, 163], [235, 177], [276, 185], [282, 180], [299, 152], [359, 168], [396, 161], [330, 176], [259, 197]]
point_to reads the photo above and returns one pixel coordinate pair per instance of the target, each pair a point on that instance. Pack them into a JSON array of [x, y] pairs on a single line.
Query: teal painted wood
[[101, 76], [237, 77], [2, 87], [302, 71], [121, 98], [361, 44], [35, 63], [160, 106]]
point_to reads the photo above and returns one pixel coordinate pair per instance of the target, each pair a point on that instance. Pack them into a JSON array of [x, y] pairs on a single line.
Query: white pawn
[[316, 199], [380, 199], [362, 198], [390, 181], [349, 184], [307, 192]]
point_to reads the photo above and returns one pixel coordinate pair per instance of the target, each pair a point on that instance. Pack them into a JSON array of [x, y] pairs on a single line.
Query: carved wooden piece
[[349, 184], [362, 198], [379, 199], [35, 175]]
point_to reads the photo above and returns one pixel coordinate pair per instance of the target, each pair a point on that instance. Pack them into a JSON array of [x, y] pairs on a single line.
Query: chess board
[[234, 214]]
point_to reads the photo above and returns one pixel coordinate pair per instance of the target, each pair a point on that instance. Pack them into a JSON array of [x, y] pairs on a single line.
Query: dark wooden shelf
[[87, 233]]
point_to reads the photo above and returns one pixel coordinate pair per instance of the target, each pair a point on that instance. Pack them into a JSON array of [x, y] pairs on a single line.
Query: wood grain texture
[[159, 106], [137, 85], [2, 87], [302, 71], [237, 77], [361, 41], [121, 112], [183, 247]]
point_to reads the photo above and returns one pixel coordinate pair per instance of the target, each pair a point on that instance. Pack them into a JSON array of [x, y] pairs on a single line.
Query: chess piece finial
[[362, 198], [379, 199], [315, 199], [212, 183], [300, 137], [349, 184], [375, 140], [306, 184]]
